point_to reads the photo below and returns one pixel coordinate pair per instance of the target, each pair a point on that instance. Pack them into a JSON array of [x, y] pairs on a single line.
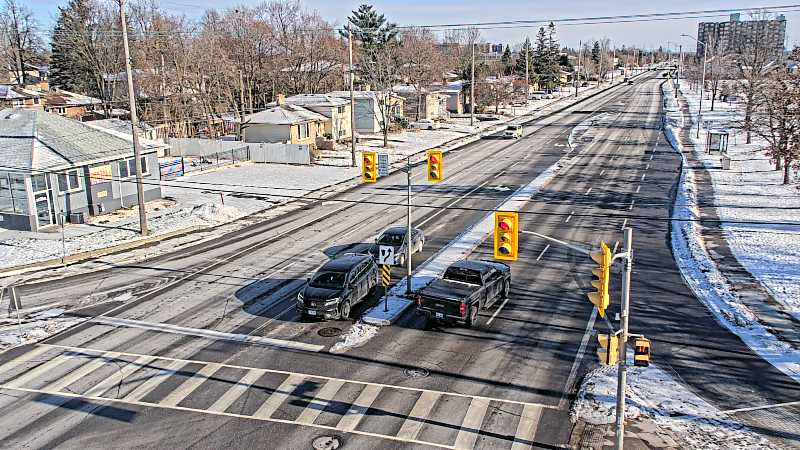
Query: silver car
[[396, 238]]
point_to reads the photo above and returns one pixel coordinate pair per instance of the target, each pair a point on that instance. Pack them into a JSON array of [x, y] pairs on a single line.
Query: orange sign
[[100, 174]]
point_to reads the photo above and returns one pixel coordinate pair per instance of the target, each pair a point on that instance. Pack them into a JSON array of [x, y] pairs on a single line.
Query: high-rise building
[[735, 35]]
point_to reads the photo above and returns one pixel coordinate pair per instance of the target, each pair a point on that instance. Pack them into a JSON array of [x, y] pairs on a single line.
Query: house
[[336, 109], [19, 97], [282, 123], [70, 104], [125, 127], [51, 166], [422, 105], [368, 108], [455, 96]]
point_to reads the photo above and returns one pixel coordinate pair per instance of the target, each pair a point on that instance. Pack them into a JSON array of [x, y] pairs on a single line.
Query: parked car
[[396, 238], [425, 124], [465, 288], [337, 286], [513, 132], [537, 95]]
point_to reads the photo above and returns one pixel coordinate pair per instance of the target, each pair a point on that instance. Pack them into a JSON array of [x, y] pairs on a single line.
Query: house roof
[[284, 115], [362, 94], [15, 92], [38, 140], [66, 98], [316, 100]]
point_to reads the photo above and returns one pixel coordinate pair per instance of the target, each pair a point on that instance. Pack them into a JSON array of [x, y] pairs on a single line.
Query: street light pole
[[577, 71], [408, 230], [472, 89], [702, 82]]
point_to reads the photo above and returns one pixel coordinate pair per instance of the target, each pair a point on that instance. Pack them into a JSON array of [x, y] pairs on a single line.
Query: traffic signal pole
[[408, 230], [623, 341]]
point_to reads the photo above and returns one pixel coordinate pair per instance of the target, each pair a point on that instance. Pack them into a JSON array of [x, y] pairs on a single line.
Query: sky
[[426, 12]]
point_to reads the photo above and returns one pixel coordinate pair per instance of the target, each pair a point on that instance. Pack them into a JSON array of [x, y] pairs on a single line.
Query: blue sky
[[417, 12]]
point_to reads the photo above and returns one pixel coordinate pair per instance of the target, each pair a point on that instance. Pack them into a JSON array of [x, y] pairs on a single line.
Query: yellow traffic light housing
[[506, 236], [608, 349], [641, 352], [600, 296], [369, 167], [435, 166]]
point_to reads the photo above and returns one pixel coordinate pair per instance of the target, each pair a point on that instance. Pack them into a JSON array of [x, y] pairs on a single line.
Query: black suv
[[336, 286]]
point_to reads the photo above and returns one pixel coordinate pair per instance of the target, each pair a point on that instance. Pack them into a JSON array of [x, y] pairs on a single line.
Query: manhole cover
[[329, 332], [418, 372], [326, 443]]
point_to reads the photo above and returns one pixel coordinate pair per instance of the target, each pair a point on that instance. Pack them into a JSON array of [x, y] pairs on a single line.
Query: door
[[41, 200]]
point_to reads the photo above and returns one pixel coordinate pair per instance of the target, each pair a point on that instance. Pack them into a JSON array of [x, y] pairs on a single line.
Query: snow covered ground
[[654, 397], [707, 282], [34, 327]]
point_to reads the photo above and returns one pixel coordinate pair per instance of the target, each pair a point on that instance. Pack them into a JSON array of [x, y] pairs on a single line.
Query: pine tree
[[543, 60], [596, 52], [372, 31], [524, 52], [505, 61], [70, 70]]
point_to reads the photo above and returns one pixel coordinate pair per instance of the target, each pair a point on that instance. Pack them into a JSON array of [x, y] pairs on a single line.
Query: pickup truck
[[465, 288]]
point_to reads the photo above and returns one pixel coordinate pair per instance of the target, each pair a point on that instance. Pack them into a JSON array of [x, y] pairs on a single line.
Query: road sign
[[383, 164], [386, 274], [385, 254]]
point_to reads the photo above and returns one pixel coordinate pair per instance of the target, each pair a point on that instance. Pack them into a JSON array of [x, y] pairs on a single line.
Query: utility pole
[[623, 341], [137, 151], [527, 76], [472, 89], [613, 65], [408, 230], [600, 68], [352, 100], [577, 70], [678, 72]]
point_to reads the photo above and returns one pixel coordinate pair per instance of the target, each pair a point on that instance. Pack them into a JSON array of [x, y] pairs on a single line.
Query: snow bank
[[357, 336], [711, 287], [654, 396], [35, 327]]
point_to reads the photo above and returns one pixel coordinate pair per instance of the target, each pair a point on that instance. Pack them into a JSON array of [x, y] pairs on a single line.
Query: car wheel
[[506, 289], [344, 310], [472, 316], [401, 260]]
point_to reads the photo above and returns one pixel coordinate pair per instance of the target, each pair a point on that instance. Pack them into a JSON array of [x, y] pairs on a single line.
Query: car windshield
[[391, 239], [328, 280], [463, 275]]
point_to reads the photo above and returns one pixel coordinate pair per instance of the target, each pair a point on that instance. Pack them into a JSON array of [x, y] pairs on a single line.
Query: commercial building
[[735, 35]]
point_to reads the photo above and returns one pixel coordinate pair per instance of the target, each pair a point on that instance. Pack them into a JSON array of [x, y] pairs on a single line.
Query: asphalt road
[[204, 349]]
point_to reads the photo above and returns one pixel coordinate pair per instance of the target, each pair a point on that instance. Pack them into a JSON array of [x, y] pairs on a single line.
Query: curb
[[391, 316]]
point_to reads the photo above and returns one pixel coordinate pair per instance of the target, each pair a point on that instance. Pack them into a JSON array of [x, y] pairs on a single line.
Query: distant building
[[283, 123], [730, 37], [336, 109]]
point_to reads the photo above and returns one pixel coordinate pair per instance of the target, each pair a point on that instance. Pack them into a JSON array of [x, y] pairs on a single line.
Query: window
[[304, 131], [69, 181], [13, 197], [38, 183], [127, 167]]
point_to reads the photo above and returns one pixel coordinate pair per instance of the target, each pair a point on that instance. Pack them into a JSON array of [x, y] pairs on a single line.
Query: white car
[[513, 132], [425, 124]]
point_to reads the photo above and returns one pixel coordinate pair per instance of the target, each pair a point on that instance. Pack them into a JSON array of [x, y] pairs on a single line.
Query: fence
[[280, 153]]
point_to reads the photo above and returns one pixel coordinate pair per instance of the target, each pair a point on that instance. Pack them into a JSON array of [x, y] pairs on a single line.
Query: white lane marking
[[22, 359], [191, 383], [145, 388], [208, 334], [578, 358], [416, 418], [602, 171], [638, 188], [569, 217], [588, 191], [452, 203], [236, 391], [526, 428], [630, 207], [471, 426], [538, 258], [647, 167], [499, 174], [80, 372], [281, 393], [320, 401], [651, 155], [491, 319], [41, 369], [756, 408], [359, 407], [624, 222], [66, 396], [643, 175]]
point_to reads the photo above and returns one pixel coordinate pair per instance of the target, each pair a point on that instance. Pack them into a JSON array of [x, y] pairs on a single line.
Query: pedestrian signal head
[[641, 352], [369, 167], [435, 166], [506, 236]]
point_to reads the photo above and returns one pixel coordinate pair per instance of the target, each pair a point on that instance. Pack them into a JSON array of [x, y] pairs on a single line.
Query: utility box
[[726, 162]]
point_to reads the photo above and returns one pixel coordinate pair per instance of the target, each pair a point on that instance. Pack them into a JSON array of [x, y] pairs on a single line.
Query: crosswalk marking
[[281, 393], [470, 427], [357, 410], [413, 424], [151, 383], [38, 371], [236, 390], [192, 383], [119, 376], [526, 428], [80, 372], [318, 404], [22, 359]]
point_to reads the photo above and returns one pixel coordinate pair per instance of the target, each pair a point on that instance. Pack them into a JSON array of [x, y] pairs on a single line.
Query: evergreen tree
[[543, 61], [596, 52], [526, 52], [373, 33], [68, 68], [505, 61]]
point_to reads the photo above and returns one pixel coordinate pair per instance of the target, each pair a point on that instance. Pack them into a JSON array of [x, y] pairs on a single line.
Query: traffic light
[[369, 167], [435, 166], [600, 296], [641, 352], [607, 350], [506, 236]]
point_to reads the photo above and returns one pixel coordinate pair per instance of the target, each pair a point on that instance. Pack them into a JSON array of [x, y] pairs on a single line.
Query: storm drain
[[417, 372], [329, 332], [326, 443]]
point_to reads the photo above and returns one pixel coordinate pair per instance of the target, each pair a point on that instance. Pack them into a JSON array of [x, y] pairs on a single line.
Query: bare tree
[[776, 119], [20, 44], [421, 61]]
